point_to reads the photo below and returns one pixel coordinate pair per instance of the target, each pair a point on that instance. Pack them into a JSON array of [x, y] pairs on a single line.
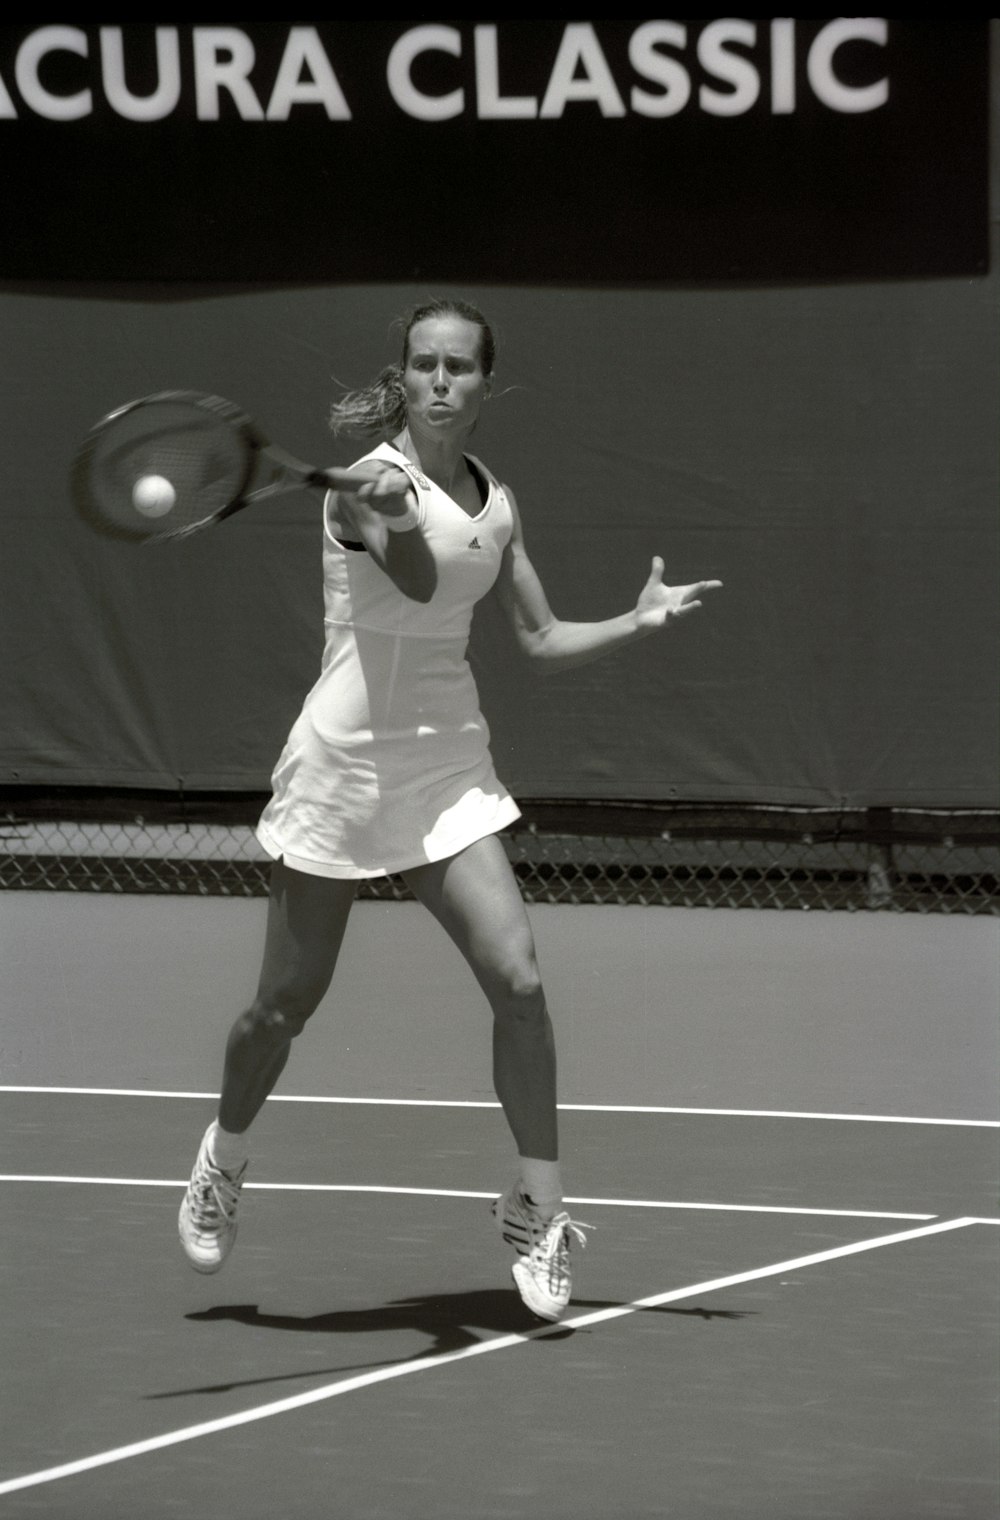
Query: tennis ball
[[153, 495]]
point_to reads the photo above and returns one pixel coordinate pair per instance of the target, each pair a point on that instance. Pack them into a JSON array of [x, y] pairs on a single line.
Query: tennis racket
[[169, 465]]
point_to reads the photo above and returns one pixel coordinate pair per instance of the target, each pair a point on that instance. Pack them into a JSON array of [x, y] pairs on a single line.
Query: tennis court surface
[[778, 1314]]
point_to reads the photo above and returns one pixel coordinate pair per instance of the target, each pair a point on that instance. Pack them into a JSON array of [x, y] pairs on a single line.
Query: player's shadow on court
[[449, 1322]]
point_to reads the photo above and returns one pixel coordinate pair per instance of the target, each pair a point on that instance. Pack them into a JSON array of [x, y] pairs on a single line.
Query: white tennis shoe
[[207, 1221], [542, 1274]]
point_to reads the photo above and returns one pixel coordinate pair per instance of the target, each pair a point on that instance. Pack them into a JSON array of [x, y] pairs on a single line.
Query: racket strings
[[205, 459]]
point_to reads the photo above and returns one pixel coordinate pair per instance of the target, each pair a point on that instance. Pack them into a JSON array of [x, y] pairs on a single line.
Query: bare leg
[[306, 919], [475, 897]]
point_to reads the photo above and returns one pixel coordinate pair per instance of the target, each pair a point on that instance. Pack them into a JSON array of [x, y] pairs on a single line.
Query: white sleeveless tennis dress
[[388, 765]]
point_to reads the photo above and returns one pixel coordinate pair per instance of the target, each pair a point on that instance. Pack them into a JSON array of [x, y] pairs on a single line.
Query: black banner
[[516, 151]]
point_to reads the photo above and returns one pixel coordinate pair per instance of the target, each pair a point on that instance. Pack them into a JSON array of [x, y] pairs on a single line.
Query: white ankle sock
[[228, 1151], [541, 1183]]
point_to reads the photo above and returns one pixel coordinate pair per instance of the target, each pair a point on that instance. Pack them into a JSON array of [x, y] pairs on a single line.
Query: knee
[[518, 995], [276, 1019]]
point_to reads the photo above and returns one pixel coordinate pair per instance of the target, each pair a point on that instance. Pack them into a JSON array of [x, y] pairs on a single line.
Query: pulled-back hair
[[380, 406]]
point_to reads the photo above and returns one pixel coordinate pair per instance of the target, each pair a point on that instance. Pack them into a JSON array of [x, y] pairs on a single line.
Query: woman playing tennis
[[388, 770]]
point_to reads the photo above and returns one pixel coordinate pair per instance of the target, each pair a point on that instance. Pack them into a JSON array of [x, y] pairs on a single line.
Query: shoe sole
[[200, 1265], [528, 1297], [206, 1268]]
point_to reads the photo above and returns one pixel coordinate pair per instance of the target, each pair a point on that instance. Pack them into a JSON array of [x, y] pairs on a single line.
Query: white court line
[[481, 1348], [587, 1108], [349, 1187]]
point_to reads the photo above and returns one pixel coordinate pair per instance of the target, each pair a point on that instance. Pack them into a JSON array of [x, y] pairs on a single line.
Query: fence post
[[880, 862]]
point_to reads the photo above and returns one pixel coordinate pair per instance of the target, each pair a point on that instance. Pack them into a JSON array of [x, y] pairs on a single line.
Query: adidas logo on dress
[[475, 544]]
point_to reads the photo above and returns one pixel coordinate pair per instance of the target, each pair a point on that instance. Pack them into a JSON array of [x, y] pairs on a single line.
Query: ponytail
[[376, 408]]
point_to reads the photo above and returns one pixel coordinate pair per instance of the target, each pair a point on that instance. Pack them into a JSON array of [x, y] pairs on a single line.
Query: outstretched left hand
[[659, 605]]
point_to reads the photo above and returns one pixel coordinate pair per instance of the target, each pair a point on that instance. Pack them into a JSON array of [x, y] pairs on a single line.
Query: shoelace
[[216, 1197], [552, 1251]]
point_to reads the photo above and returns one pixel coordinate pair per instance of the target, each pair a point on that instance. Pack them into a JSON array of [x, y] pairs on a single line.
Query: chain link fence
[[677, 855]]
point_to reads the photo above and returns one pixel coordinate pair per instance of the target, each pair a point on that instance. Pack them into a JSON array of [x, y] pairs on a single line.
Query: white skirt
[[388, 765]]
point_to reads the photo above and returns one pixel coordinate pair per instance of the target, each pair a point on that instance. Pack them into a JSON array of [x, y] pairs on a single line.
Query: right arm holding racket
[[381, 510], [168, 466]]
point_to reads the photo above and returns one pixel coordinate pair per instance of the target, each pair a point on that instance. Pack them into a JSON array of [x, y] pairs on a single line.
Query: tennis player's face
[[444, 381]]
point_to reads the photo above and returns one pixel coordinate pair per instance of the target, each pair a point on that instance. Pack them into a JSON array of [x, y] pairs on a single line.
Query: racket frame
[[269, 470]]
